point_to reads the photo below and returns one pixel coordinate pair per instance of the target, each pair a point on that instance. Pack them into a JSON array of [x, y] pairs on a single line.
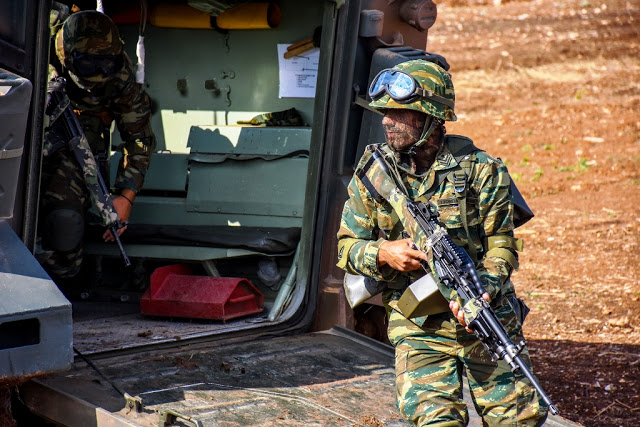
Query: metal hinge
[[133, 403], [169, 417]]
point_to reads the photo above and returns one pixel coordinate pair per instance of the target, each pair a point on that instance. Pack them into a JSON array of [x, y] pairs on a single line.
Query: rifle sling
[[457, 177], [60, 108], [361, 173]]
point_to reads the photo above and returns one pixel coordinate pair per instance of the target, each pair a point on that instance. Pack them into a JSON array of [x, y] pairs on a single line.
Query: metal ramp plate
[[35, 317]]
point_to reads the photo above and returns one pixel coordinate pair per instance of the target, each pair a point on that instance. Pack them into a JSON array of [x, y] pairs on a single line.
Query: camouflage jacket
[[489, 213], [125, 101]]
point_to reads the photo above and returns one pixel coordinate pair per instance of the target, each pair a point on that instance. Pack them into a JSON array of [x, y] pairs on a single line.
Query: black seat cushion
[[258, 239]]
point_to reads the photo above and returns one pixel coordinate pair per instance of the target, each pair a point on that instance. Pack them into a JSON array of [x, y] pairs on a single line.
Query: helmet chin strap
[[429, 126]]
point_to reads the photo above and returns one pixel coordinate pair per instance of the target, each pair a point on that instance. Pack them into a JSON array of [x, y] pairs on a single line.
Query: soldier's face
[[403, 128]]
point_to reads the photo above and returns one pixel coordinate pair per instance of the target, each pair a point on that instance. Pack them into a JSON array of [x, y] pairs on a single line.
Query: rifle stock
[[456, 271], [78, 145]]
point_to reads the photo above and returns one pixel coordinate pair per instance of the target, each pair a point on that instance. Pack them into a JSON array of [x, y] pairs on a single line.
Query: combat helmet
[[89, 46], [416, 85]]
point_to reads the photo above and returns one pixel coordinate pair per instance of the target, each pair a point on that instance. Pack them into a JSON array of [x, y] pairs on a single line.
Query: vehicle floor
[[331, 378], [104, 326], [107, 313]]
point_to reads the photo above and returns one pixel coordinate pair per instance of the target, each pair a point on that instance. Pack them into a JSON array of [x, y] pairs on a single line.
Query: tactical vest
[[464, 152]]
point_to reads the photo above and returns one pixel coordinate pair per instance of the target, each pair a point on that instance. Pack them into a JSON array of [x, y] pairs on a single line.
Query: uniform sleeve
[[358, 242], [496, 224], [132, 113]]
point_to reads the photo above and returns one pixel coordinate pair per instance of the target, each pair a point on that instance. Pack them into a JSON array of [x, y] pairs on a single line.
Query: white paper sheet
[[299, 74]]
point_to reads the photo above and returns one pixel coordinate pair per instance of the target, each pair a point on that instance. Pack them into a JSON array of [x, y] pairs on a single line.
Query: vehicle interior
[[232, 203], [221, 199]]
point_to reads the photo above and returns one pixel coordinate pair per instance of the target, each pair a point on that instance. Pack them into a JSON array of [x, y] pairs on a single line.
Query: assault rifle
[[79, 146], [457, 271]]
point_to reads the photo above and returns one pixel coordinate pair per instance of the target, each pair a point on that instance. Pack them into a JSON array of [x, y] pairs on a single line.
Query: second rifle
[[79, 146]]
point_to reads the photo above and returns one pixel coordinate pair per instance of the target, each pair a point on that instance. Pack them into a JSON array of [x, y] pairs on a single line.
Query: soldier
[[102, 88], [476, 206]]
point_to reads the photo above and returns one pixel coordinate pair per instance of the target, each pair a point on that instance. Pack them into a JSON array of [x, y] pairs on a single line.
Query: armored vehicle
[[232, 311]]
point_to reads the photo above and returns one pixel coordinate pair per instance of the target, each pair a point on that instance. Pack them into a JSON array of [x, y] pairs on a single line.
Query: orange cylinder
[[179, 16], [250, 16]]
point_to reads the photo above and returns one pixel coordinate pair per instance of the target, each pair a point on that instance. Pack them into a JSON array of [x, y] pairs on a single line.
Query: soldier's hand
[[400, 255], [456, 309], [123, 207]]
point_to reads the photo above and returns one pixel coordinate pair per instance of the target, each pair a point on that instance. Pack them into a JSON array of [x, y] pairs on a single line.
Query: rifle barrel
[[74, 128], [125, 257], [527, 373]]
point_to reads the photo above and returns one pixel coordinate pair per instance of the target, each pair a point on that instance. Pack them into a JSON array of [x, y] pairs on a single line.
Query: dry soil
[[553, 88]]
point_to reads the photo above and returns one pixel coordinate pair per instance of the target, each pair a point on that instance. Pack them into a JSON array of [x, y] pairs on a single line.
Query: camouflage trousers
[[62, 185], [429, 365]]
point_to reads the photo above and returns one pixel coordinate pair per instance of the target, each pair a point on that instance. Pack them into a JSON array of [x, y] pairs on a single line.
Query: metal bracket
[[227, 90], [212, 85], [362, 102], [133, 403], [169, 417], [226, 41], [181, 85], [228, 75], [210, 268]]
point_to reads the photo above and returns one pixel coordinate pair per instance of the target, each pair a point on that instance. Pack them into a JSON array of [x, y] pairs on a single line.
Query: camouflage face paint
[[426, 154], [402, 128]]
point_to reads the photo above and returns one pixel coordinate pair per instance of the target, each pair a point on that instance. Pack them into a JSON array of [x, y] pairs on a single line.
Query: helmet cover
[[87, 32], [430, 77]]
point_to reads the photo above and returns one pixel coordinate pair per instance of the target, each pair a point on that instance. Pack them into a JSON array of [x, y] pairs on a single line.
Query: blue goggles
[[401, 87], [86, 65]]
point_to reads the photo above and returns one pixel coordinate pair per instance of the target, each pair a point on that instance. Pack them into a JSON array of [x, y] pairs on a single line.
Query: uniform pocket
[[451, 215], [402, 357]]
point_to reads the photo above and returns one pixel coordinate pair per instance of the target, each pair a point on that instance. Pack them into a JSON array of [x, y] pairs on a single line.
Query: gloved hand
[[469, 311]]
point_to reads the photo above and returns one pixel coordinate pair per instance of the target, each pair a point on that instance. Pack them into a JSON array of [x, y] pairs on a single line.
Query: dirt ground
[[553, 88]]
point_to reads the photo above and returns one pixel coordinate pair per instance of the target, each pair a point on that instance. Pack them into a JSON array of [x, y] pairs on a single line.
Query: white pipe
[[286, 288], [140, 65]]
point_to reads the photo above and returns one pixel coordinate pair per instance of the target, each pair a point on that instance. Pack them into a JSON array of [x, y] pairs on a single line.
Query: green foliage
[[581, 166], [538, 174]]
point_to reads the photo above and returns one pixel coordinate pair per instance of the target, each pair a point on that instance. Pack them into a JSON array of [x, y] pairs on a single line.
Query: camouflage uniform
[[432, 350], [290, 117], [99, 100]]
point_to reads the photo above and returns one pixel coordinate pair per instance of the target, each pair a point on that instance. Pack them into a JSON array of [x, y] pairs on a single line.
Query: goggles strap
[[424, 93]]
